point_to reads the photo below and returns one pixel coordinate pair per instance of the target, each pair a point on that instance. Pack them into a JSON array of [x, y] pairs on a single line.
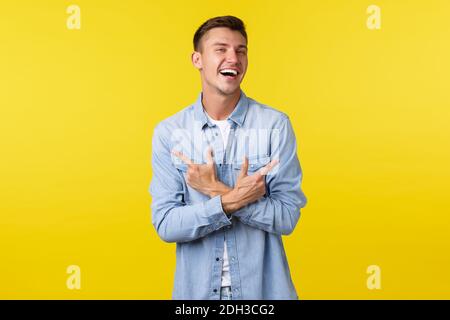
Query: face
[[222, 60]]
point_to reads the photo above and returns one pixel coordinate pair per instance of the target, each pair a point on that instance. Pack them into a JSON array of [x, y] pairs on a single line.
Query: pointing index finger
[[265, 170], [181, 156]]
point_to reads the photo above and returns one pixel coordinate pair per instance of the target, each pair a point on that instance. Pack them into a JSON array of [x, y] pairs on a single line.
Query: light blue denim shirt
[[197, 223]]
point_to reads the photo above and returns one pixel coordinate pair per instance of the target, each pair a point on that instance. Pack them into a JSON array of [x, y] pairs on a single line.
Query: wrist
[[218, 188], [230, 202]]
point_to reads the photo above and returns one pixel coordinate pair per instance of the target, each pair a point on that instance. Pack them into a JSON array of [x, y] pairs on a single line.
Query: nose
[[232, 56]]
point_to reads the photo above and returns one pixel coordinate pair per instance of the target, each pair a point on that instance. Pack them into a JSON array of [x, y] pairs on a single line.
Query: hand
[[248, 189], [202, 177]]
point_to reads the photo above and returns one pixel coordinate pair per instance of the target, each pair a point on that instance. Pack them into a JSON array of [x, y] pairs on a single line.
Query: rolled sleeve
[[279, 210], [173, 219]]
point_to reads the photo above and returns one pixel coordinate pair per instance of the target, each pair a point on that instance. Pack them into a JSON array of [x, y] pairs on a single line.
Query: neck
[[219, 106]]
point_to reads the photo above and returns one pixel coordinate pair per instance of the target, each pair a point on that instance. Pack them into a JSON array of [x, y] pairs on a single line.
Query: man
[[226, 180]]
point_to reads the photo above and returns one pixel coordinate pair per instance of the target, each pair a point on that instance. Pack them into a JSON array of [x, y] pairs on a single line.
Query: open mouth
[[229, 73]]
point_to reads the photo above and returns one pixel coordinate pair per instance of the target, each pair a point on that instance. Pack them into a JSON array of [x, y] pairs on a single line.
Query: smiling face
[[222, 60]]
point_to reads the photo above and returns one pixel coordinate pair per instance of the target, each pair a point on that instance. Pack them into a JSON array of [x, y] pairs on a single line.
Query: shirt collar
[[237, 116]]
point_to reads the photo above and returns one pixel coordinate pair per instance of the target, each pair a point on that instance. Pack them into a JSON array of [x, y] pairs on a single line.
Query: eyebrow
[[226, 45]]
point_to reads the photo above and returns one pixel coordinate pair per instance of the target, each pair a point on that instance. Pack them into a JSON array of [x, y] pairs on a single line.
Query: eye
[[221, 50]]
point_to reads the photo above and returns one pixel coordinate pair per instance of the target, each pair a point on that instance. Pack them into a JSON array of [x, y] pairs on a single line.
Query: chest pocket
[[190, 195], [181, 167], [254, 163]]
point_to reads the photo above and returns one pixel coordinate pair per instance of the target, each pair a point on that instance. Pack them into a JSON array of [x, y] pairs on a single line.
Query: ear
[[196, 58]]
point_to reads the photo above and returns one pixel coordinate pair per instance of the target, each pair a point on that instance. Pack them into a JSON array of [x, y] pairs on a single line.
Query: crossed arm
[[203, 178], [277, 212]]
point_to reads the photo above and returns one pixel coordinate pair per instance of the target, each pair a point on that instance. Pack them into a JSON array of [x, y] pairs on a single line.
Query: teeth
[[234, 72]]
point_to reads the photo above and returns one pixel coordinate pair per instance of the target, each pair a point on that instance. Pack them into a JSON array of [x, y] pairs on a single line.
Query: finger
[[244, 168], [181, 156], [209, 156], [265, 170]]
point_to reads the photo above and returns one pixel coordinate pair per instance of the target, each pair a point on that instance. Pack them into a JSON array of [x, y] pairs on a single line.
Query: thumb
[[209, 156], [244, 168]]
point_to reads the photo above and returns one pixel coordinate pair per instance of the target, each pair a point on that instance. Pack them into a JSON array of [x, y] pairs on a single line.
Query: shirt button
[[216, 134], [232, 258], [217, 259], [215, 290]]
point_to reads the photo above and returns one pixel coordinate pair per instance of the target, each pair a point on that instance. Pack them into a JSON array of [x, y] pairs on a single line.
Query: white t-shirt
[[224, 127]]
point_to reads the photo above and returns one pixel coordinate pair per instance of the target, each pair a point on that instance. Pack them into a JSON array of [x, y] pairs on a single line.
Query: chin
[[229, 90], [229, 93]]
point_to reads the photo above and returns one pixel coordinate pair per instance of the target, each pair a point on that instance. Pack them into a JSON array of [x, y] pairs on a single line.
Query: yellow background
[[370, 109]]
